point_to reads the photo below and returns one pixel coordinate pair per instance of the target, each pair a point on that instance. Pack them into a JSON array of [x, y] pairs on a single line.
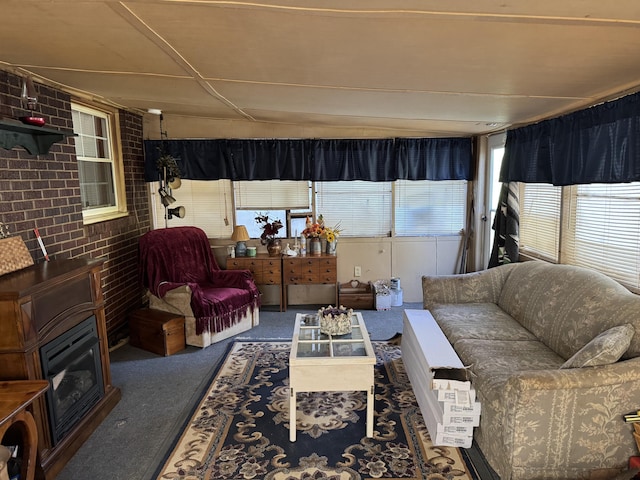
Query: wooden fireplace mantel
[[37, 304]]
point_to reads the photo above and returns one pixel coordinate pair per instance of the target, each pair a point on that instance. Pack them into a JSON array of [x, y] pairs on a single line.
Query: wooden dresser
[[266, 270], [310, 270]]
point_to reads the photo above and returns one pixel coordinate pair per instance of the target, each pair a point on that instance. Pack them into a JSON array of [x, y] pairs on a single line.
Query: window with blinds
[[603, 230], [272, 195], [207, 206], [363, 209], [99, 167], [429, 207], [285, 200], [540, 220]]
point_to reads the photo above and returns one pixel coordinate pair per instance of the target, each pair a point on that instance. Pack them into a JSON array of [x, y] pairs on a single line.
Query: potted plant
[[270, 230]]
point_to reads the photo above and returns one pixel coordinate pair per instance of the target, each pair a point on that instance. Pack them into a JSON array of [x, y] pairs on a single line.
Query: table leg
[[292, 416], [370, 401]]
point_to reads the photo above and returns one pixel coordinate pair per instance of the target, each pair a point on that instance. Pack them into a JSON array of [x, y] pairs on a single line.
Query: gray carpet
[[158, 394]]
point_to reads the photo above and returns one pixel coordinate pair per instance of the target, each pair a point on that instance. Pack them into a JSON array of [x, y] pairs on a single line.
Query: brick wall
[[43, 191]]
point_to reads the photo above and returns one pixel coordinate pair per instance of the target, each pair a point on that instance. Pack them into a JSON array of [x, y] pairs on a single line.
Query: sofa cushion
[[477, 320], [606, 348], [492, 362]]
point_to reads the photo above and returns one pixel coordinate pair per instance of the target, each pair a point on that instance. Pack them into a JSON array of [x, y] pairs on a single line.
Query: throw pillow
[[606, 348]]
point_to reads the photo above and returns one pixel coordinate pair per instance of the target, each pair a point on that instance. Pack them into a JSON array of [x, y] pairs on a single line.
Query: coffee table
[[321, 363]]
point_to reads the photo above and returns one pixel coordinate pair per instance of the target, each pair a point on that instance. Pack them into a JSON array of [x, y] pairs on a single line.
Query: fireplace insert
[[72, 365]]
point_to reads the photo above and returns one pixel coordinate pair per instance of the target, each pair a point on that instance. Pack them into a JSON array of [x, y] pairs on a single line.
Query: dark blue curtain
[[600, 144], [375, 160]]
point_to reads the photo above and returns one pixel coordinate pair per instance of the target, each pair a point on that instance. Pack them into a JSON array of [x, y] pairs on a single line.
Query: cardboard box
[[157, 331], [459, 397], [445, 439], [451, 408], [459, 430], [434, 367], [445, 370], [383, 302]]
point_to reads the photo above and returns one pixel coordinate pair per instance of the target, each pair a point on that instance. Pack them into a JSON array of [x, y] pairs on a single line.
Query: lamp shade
[[240, 234]]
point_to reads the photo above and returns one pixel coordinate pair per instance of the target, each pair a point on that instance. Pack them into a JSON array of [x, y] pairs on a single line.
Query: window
[[363, 209], [99, 164], [284, 200], [207, 205], [602, 232], [429, 207], [540, 220]]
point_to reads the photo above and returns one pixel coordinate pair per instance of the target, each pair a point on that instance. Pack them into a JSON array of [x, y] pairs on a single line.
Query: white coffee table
[[321, 363]]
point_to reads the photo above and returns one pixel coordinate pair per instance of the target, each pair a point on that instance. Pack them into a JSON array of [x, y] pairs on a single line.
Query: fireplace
[[71, 363], [53, 327]]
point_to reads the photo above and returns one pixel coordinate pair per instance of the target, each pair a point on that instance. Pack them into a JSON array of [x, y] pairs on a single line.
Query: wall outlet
[[357, 271]]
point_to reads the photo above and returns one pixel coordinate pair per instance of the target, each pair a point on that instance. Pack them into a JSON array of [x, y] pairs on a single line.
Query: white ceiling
[[423, 67]]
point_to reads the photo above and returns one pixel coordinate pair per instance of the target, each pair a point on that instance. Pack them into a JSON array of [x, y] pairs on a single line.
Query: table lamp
[[240, 235]]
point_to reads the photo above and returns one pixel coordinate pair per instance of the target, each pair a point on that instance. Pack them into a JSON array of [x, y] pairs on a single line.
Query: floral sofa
[[554, 354]]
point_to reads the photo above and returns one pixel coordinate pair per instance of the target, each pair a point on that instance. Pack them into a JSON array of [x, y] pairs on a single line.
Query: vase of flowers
[[313, 233], [331, 235], [270, 230]]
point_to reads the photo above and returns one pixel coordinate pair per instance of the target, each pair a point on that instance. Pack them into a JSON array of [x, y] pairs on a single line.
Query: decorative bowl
[[37, 121], [335, 320]]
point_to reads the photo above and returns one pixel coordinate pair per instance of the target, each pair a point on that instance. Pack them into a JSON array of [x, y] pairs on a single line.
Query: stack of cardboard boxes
[[440, 382]]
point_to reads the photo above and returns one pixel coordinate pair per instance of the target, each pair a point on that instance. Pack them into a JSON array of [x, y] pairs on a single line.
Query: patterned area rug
[[240, 429]]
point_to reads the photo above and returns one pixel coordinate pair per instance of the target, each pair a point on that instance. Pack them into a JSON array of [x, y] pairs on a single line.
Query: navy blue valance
[[600, 144], [375, 160]]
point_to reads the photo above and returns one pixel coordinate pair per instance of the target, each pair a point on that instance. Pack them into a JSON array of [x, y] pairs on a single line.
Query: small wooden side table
[[15, 397]]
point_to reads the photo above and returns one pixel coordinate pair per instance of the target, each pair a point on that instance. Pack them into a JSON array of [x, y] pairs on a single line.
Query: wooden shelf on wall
[[36, 140]]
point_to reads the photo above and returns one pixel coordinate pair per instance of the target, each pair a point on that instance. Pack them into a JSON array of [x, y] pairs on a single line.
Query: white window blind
[[604, 229], [363, 209], [272, 195], [429, 207], [207, 204], [540, 220]]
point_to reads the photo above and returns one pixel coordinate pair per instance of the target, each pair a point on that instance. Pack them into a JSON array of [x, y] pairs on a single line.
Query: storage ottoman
[[157, 331]]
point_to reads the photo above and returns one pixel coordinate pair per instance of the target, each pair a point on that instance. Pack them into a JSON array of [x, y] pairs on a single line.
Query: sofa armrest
[[573, 413], [477, 287]]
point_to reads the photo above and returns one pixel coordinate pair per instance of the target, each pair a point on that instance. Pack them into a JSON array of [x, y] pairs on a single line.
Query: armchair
[[180, 271]]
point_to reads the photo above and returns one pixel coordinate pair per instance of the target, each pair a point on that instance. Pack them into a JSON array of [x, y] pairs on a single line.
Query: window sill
[[93, 219]]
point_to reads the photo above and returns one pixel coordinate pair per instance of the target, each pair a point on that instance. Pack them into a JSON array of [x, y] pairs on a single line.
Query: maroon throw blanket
[[172, 257]]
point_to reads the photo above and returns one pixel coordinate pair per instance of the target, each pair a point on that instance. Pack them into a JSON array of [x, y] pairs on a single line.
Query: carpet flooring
[[240, 428], [159, 394]]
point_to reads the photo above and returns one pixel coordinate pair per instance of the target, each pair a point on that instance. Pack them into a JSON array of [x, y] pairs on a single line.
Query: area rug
[[240, 429]]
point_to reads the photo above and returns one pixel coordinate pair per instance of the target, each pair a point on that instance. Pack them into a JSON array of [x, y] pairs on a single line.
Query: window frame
[[111, 117]]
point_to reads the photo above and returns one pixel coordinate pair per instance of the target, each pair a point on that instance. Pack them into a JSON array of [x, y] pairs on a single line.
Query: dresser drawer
[[271, 278], [237, 264]]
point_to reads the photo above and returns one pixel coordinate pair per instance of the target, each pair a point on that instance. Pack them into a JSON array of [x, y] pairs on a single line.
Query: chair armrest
[[477, 287], [177, 300], [233, 278]]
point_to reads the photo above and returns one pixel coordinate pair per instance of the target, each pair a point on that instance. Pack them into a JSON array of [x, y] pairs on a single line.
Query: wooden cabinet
[[310, 270], [15, 397], [266, 270], [38, 306], [284, 271]]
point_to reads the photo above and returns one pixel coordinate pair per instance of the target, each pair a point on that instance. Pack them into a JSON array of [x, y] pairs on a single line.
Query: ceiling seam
[[134, 20], [520, 18]]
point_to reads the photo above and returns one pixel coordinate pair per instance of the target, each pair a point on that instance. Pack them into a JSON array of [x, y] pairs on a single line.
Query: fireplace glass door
[[72, 365]]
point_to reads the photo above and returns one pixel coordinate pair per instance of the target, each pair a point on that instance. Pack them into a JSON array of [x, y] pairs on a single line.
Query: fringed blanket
[[172, 257]]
